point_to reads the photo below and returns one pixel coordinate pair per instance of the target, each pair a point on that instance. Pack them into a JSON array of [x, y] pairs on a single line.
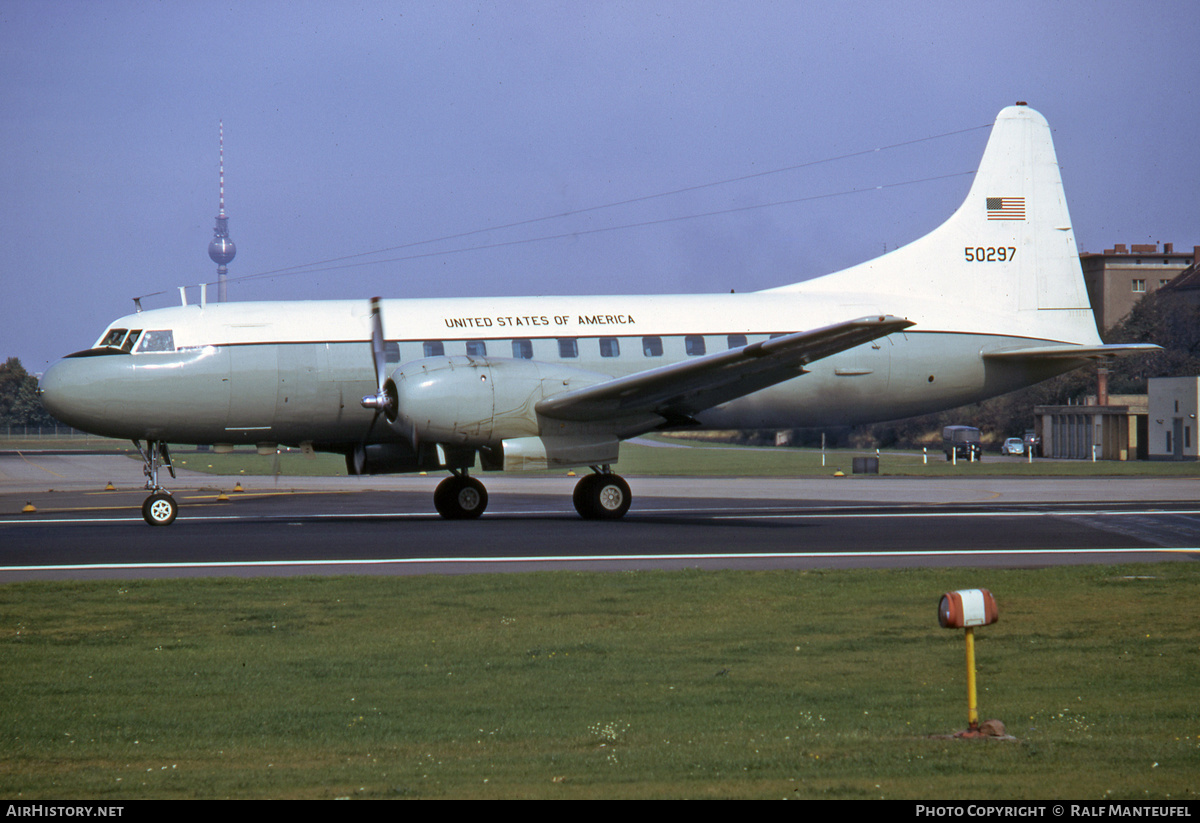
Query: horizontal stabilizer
[[1068, 352], [678, 391]]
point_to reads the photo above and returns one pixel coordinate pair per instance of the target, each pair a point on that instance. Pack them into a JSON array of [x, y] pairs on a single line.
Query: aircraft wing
[[1032, 353], [679, 390]]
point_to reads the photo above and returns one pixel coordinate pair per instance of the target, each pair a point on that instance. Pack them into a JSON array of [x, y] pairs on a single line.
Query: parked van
[[963, 441]]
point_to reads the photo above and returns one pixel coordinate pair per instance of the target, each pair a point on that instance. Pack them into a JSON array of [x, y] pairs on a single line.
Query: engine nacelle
[[385, 458], [478, 400]]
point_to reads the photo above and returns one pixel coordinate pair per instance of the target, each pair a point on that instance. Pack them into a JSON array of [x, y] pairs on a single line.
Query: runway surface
[[386, 525]]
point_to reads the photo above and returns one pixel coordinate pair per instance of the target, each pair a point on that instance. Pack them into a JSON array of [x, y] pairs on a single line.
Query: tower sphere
[[221, 250]]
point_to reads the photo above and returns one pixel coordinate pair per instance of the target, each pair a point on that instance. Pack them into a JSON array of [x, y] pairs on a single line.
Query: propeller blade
[[377, 353], [384, 400], [381, 401]]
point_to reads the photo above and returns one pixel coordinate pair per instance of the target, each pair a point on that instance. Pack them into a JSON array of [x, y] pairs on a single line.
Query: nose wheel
[[160, 509]]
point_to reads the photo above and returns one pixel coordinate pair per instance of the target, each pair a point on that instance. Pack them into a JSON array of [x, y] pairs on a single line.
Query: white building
[[1174, 404]]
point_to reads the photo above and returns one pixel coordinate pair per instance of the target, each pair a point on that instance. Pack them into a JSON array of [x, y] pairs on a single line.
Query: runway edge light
[[966, 609]]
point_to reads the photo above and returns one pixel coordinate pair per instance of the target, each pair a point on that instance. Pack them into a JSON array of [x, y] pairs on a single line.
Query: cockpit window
[[157, 341], [113, 338], [131, 340]]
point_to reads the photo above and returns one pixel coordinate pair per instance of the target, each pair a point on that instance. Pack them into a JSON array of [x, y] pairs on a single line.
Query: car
[[962, 442], [1013, 445]]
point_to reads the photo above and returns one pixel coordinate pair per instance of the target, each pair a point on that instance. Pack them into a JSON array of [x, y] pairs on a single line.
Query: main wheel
[[160, 509], [602, 497], [460, 498]]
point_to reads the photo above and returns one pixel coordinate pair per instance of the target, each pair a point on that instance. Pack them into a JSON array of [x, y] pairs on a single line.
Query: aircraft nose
[[72, 395]]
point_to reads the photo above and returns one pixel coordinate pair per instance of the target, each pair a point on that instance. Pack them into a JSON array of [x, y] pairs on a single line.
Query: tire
[[602, 497], [582, 496], [460, 498], [160, 509]]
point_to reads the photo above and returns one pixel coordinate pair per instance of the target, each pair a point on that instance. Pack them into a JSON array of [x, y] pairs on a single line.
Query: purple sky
[[352, 127]]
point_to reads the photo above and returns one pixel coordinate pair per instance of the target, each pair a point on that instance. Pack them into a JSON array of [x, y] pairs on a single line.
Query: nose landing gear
[[160, 508]]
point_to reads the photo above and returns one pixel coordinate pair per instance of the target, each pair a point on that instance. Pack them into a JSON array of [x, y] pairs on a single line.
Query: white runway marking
[[592, 558]]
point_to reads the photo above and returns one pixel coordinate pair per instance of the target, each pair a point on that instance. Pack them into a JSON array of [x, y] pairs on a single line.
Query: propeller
[[384, 400]]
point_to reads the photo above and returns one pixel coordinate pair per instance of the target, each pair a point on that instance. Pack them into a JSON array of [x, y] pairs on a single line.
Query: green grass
[[675, 458], [820, 684], [691, 461], [637, 459]]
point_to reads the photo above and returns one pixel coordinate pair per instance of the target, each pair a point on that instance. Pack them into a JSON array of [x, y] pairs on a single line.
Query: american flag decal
[[1006, 208]]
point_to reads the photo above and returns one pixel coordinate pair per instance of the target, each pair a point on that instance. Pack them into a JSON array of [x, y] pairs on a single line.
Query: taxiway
[[385, 525]]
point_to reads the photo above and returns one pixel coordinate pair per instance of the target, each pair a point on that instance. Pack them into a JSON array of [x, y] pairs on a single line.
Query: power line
[[342, 261], [582, 232]]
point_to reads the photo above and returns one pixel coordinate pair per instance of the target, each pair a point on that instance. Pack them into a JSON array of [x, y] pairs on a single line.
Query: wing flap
[[679, 390]]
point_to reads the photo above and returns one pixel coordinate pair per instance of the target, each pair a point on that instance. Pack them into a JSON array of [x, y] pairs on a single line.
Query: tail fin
[[1005, 262]]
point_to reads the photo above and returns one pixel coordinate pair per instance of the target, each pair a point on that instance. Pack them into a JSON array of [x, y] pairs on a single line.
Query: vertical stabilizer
[[1005, 261]]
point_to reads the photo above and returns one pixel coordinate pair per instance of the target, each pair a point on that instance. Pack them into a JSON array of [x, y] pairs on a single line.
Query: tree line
[[20, 404]]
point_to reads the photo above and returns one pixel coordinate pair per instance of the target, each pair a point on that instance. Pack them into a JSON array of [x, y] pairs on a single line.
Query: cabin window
[[476, 348], [391, 351], [777, 335], [157, 341], [113, 338], [434, 348], [609, 347], [523, 349], [735, 341], [693, 344], [652, 346], [131, 339], [568, 347]]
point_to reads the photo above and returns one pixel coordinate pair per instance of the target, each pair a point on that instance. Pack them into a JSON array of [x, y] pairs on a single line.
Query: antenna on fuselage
[[221, 249]]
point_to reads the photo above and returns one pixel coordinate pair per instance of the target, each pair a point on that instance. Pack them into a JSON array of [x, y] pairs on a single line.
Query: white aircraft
[[990, 301]]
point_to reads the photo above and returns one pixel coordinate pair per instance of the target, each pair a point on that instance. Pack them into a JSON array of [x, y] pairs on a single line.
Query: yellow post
[[972, 705]]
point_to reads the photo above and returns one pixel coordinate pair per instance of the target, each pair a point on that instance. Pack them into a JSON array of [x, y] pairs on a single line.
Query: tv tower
[[221, 249]]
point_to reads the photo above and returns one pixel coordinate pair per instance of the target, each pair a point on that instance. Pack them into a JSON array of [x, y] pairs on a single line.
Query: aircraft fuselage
[[292, 373]]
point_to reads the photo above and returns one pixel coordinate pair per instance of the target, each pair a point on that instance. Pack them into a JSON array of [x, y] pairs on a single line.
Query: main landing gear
[[602, 496], [599, 496], [160, 508], [460, 497]]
